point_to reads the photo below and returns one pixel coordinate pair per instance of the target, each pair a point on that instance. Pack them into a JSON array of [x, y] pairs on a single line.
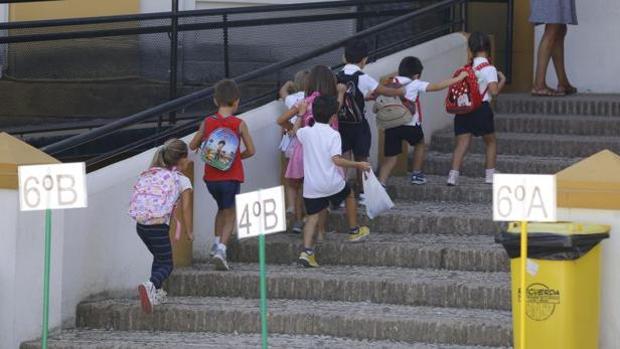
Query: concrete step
[[440, 163], [422, 217], [358, 321], [385, 285], [534, 144], [102, 339], [471, 190], [429, 251], [558, 124], [580, 104]]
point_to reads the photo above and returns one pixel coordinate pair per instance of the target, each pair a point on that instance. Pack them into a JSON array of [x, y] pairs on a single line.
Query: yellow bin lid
[[560, 228]]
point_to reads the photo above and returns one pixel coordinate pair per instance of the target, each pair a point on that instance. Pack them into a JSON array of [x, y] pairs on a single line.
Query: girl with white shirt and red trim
[[480, 122]]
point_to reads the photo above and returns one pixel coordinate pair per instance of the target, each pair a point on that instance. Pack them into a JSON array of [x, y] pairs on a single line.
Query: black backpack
[[352, 110]]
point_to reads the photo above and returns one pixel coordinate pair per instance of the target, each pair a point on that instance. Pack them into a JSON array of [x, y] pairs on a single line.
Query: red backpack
[[464, 97]]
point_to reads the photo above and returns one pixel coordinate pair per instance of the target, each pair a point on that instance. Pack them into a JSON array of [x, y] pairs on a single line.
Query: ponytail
[[169, 154]]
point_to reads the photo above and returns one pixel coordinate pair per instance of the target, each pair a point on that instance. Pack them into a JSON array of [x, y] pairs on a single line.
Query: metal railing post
[[360, 17], [174, 50], [226, 53], [464, 15], [509, 39]]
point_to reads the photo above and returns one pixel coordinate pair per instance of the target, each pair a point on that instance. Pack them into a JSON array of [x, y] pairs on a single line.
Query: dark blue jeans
[[157, 240]]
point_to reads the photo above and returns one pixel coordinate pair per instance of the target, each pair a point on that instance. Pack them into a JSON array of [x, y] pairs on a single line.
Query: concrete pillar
[[22, 252], [589, 192]]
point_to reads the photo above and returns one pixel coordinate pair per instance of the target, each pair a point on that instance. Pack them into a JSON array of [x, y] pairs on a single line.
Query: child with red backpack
[[408, 126], [470, 101], [154, 199], [223, 175]]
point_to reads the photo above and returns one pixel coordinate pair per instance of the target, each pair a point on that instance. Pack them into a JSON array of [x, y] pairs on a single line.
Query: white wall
[[610, 278], [21, 271], [592, 48]]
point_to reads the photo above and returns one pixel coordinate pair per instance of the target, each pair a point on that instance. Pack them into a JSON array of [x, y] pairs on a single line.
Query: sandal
[[567, 91], [547, 92]]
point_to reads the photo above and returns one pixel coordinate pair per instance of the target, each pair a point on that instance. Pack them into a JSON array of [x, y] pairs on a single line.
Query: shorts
[[224, 192], [480, 122], [356, 137], [394, 137], [316, 205]]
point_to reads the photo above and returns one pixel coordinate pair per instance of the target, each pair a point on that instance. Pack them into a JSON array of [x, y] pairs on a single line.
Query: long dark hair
[[479, 42], [321, 80]]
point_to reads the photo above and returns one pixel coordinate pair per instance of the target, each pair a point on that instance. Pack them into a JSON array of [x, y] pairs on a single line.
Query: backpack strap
[[479, 67]]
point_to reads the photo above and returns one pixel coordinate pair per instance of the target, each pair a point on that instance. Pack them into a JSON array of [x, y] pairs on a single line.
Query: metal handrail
[[191, 13], [190, 27], [200, 95]]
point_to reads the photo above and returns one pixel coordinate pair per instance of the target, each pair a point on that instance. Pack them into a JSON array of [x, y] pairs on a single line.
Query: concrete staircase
[[430, 276]]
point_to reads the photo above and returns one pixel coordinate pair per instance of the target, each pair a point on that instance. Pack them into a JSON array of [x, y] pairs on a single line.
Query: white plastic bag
[[377, 199]]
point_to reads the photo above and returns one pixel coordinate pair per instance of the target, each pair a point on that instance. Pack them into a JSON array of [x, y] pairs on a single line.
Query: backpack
[[220, 148], [352, 110], [154, 196], [464, 97], [394, 111]]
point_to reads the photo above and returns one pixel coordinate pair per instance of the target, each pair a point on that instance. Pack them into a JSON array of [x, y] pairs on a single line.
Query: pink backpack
[[155, 196]]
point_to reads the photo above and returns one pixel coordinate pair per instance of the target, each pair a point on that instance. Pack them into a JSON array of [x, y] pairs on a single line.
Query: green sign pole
[[46, 277], [263, 289]]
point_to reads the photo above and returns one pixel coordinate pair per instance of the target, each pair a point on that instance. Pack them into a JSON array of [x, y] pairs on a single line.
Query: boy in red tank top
[[218, 139]]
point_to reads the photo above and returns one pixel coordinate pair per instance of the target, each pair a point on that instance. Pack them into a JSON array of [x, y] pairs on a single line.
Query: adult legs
[[557, 56], [545, 50]]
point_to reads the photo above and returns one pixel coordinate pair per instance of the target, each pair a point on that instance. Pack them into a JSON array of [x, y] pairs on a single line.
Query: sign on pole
[[50, 187], [524, 198], [59, 186], [260, 213]]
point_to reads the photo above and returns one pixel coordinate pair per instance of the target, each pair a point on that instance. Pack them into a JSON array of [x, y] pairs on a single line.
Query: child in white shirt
[[324, 181], [293, 92], [409, 73]]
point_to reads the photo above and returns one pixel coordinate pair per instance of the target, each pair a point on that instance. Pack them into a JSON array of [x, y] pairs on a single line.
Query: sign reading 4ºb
[[261, 212], [519, 197], [58, 186]]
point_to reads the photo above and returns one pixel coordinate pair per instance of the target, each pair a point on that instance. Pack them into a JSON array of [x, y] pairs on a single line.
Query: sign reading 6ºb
[[524, 198], [261, 212], [59, 186]]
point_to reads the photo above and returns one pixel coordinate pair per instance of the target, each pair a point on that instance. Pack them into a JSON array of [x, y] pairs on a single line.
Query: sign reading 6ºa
[[261, 212], [524, 198], [58, 186]]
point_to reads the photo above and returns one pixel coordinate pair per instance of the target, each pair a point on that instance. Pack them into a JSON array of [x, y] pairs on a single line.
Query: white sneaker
[[146, 292], [362, 200], [213, 250], [220, 260], [488, 175], [161, 297], [453, 178]]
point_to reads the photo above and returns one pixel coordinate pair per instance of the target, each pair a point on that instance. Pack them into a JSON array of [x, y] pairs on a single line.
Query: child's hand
[[341, 88], [501, 76], [303, 108], [363, 166], [462, 76], [190, 235]]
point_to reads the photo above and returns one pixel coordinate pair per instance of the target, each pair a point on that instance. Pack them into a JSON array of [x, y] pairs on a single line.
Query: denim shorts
[[224, 192]]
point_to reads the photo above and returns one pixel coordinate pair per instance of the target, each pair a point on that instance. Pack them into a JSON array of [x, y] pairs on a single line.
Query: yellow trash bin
[[563, 283]]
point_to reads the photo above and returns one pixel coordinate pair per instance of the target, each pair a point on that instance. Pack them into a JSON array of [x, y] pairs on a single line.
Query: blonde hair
[[169, 154], [301, 80]]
